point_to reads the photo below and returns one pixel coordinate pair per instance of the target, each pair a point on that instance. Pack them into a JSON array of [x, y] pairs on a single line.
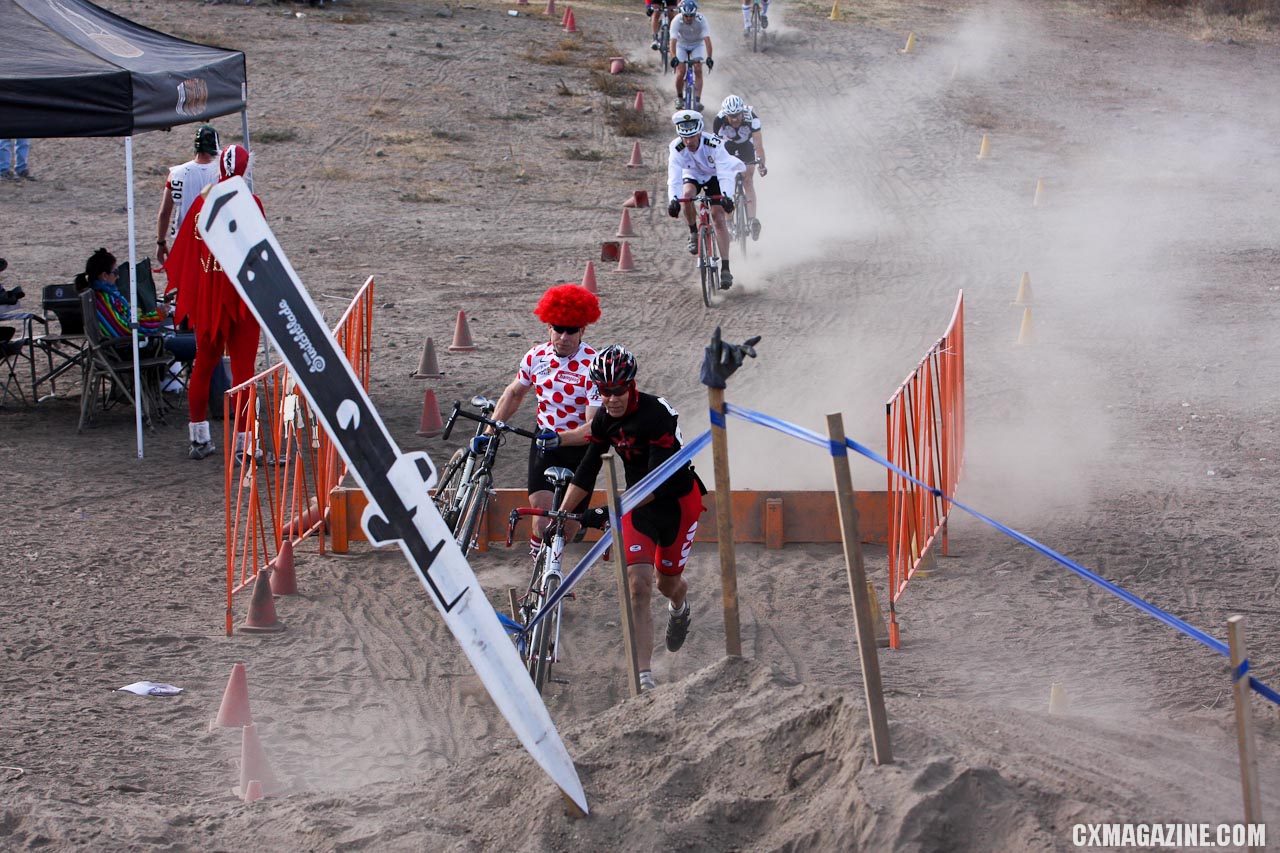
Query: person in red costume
[[209, 302]]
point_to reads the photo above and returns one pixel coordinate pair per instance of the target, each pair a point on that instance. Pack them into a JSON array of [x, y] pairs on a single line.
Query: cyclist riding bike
[[644, 431], [746, 17], [698, 161], [690, 41], [655, 9], [739, 127], [559, 373]]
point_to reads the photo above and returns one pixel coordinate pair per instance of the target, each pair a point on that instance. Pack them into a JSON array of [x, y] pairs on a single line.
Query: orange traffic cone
[[432, 425], [589, 278], [283, 580], [1024, 291], [254, 766], [428, 365], [253, 791], [551, 8], [639, 107], [641, 198], [569, 25], [262, 607], [624, 227], [635, 158], [610, 250], [625, 264], [564, 17], [617, 64], [461, 335], [1025, 334], [234, 710], [1038, 199]]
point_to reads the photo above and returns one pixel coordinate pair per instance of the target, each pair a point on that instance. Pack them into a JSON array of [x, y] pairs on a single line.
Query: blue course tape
[[717, 418], [1121, 593], [630, 498], [1239, 672]]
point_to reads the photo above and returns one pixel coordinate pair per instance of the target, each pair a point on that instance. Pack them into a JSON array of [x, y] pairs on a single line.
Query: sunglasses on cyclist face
[[567, 330], [613, 390]]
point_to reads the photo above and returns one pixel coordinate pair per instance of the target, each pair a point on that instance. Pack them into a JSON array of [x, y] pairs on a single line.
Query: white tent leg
[[133, 289]]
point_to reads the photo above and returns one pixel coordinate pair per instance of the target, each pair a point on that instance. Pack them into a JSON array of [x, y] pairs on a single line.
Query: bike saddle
[[558, 476]]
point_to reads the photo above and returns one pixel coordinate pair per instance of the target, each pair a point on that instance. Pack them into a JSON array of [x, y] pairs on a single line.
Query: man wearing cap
[[183, 186], [567, 400]]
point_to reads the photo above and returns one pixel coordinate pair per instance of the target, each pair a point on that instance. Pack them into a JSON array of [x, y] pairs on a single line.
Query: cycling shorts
[[671, 4], [698, 52], [677, 519], [565, 457], [712, 186], [744, 151]]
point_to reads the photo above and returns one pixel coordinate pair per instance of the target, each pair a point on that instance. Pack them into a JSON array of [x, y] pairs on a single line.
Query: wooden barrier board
[[771, 518]]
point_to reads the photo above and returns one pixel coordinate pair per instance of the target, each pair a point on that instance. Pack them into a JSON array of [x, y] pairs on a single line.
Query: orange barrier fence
[[925, 438], [280, 463], [772, 518]]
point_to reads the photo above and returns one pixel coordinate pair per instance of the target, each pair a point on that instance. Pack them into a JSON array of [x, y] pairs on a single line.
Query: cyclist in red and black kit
[[644, 431]]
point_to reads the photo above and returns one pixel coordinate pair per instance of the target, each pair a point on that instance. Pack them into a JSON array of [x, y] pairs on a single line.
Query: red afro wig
[[568, 305]]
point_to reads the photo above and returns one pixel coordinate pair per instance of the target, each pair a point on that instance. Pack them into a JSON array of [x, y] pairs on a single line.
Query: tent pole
[[244, 131], [133, 289]]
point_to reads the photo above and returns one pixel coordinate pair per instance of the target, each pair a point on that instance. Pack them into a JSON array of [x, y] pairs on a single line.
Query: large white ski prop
[[400, 508]]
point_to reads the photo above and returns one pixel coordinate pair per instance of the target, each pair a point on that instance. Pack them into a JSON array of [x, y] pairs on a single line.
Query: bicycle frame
[[449, 496], [690, 81], [540, 649], [708, 252]]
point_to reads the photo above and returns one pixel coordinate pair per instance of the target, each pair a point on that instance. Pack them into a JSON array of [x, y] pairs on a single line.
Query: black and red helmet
[[614, 366]]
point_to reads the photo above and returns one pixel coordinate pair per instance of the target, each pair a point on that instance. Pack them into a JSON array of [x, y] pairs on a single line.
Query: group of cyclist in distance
[[588, 402], [699, 161]]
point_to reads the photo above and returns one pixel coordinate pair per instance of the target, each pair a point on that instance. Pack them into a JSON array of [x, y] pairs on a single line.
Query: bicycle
[[689, 99], [465, 485], [757, 32], [740, 225], [540, 648], [664, 34], [708, 253]]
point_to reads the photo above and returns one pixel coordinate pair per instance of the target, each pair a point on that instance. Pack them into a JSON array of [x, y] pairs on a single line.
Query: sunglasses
[[613, 390], [567, 330]]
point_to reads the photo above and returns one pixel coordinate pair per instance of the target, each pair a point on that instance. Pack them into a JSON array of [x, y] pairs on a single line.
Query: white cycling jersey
[[741, 133], [689, 36], [185, 183], [711, 160]]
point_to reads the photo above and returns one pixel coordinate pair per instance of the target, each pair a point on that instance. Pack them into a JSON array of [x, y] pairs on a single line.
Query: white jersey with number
[[563, 385], [183, 185], [709, 161]]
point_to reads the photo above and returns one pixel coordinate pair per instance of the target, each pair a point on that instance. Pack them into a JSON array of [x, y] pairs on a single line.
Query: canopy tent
[[70, 68]]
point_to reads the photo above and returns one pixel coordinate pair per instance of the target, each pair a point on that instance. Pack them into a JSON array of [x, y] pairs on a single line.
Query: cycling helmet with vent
[[732, 106], [687, 122], [689, 7], [613, 366]]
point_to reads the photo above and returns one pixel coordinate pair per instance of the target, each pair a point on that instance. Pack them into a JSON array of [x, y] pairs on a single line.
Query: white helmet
[[732, 106], [687, 122]]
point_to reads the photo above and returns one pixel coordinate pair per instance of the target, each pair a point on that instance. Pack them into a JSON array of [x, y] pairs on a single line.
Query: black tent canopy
[[70, 68]]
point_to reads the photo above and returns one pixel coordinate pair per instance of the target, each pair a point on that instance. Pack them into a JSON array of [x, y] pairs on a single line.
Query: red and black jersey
[[645, 437]]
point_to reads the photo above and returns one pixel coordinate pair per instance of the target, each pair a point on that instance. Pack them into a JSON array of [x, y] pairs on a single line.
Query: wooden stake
[[867, 654], [1244, 722], [624, 585], [724, 524]]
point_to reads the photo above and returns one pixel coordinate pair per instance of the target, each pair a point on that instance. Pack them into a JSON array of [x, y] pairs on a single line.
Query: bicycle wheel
[[664, 36], [447, 485], [755, 27], [708, 266], [742, 224], [473, 511], [542, 645]]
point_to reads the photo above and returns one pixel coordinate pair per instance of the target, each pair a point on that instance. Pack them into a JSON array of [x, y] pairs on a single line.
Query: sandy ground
[[429, 148]]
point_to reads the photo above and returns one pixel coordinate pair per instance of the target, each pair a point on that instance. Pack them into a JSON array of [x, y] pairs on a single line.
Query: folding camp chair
[[108, 372], [64, 351]]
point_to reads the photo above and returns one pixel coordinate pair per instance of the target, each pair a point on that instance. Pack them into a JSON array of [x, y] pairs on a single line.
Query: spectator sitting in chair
[[111, 307]]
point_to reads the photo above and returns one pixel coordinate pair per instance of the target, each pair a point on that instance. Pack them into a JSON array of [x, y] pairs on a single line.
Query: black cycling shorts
[[744, 151], [712, 186], [565, 457]]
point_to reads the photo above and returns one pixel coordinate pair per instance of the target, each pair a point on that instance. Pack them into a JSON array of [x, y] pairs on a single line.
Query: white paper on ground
[[151, 688]]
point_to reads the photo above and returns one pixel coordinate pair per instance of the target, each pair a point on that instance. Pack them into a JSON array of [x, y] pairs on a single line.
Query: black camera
[[11, 297]]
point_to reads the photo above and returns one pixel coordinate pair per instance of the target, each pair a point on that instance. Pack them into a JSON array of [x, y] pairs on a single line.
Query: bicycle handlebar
[[500, 426], [522, 511], [701, 197]]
